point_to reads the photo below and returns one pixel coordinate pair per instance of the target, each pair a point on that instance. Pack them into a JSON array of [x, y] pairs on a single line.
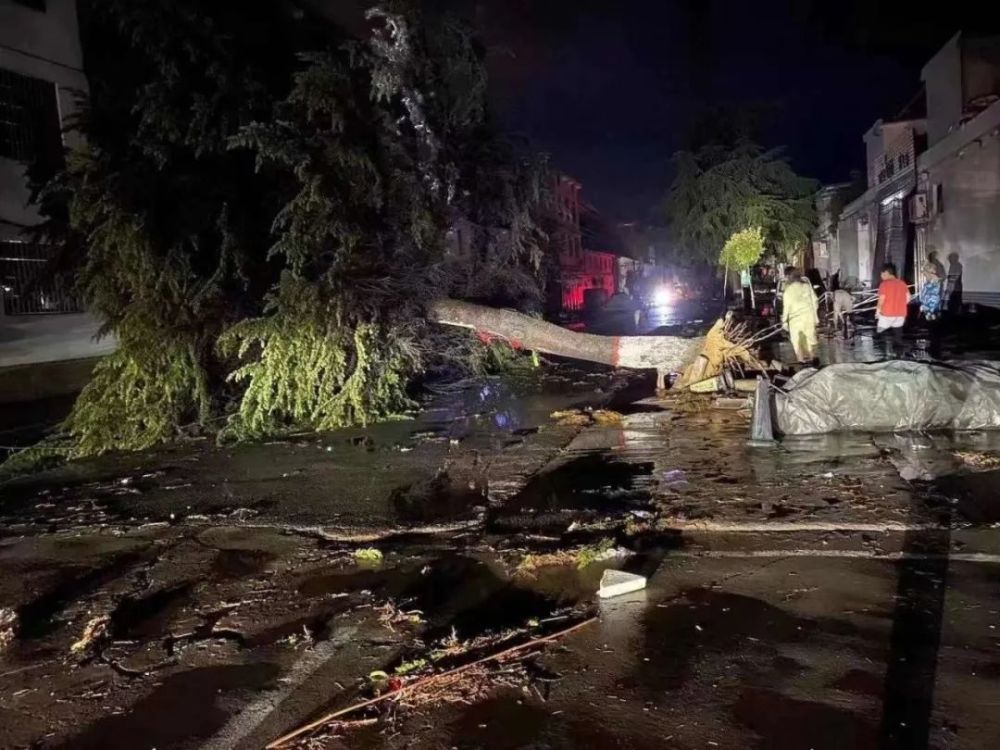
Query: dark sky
[[610, 87]]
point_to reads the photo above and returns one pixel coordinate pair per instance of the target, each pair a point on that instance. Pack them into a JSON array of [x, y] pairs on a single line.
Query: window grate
[[27, 284], [29, 120]]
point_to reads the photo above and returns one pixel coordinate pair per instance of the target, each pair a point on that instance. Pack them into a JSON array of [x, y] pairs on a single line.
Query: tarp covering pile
[[893, 396]]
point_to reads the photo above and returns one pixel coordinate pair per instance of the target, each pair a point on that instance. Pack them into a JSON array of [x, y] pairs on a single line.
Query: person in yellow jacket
[[798, 315]]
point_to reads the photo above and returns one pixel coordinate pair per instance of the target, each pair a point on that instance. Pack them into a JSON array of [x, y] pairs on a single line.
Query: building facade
[[874, 229], [583, 250], [934, 179], [41, 82], [41, 76], [956, 200]]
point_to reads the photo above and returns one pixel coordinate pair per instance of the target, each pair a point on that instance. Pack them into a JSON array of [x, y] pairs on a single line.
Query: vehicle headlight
[[663, 296]]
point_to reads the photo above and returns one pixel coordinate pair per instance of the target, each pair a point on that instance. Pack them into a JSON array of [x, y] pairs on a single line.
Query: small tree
[[743, 249]]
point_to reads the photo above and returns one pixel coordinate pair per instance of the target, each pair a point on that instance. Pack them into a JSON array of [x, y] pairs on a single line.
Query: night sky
[[609, 89]]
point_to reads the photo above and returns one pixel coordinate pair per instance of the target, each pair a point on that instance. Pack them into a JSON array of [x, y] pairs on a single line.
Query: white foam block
[[618, 582]]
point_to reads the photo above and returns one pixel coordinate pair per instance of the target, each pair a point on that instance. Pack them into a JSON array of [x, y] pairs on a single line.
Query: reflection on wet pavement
[[800, 596], [785, 723], [185, 707]]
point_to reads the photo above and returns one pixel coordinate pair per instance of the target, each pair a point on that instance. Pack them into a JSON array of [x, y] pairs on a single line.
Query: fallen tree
[[286, 280], [661, 353]]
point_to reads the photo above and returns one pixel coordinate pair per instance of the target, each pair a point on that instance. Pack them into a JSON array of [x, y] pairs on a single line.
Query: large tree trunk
[[661, 353]]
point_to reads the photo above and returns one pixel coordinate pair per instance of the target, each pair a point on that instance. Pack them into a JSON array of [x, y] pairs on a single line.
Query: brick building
[[584, 247]]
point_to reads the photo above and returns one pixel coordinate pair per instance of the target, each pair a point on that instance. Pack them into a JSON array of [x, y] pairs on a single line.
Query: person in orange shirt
[[893, 297]]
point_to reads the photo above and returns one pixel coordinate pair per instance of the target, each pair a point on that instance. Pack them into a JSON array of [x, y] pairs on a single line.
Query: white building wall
[[964, 168], [942, 77], [43, 45]]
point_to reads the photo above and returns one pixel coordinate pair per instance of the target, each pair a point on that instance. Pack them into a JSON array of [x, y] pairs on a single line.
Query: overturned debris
[[726, 346]]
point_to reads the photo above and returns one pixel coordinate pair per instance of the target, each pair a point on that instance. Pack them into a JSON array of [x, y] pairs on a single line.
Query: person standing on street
[[798, 315], [893, 297], [930, 292]]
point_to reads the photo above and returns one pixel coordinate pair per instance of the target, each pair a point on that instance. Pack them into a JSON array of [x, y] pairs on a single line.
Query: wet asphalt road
[[802, 597]]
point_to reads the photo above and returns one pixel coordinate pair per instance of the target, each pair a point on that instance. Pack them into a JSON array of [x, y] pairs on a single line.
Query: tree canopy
[[743, 249], [723, 188], [263, 207]]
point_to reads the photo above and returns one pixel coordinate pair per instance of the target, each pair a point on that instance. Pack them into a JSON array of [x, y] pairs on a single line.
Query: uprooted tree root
[[727, 344]]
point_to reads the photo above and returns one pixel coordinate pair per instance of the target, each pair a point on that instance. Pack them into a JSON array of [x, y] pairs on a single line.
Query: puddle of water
[[504, 722], [704, 621], [508, 721], [860, 682], [439, 497], [39, 616], [976, 495], [316, 623], [785, 723], [471, 595], [593, 482], [240, 563], [185, 708], [148, 616]]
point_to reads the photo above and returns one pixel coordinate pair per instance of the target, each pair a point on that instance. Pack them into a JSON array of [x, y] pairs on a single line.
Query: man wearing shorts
[[893, 297]]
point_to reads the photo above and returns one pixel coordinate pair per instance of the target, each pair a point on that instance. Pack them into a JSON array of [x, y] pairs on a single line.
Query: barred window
[[29, 284], [29, 121]]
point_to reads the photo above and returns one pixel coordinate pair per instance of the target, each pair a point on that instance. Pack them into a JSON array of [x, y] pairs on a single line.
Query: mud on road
[[805, 596]]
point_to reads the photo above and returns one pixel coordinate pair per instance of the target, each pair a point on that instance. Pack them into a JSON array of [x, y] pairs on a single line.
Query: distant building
[[41, 73], [584, 248], [934, 178], [830, 202]]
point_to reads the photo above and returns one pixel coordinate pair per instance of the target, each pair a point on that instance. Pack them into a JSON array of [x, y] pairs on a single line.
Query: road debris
[[368, 556], [93, 632], [8, 627], [618, 582], [441, 686], [580, 558], [392, 615], [979, 460]]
